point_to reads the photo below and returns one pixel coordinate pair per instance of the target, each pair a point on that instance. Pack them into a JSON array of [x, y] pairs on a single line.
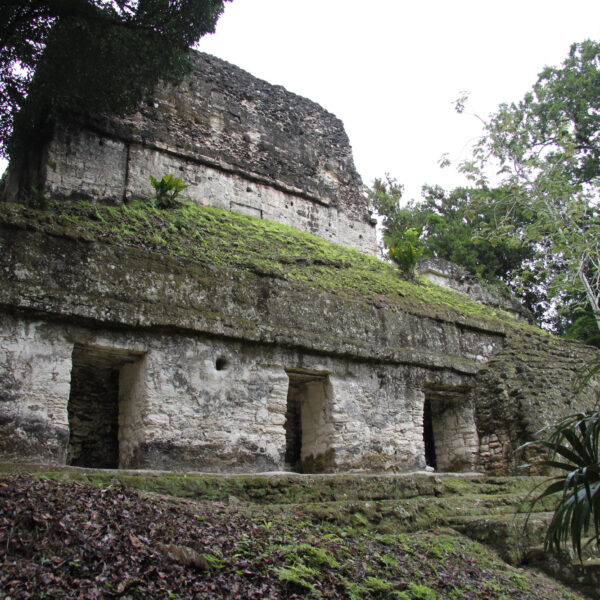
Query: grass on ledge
[[232, 241]]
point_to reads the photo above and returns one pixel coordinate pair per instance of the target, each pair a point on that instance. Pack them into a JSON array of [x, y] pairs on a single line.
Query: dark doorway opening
[[306, 423], [293, 429], [428, 435], [94, 403], [449, 431]]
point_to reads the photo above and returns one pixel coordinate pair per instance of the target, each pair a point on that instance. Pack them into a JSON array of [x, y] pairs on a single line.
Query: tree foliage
[[453, 226], [59, 56], [545, 151], [532, 217]]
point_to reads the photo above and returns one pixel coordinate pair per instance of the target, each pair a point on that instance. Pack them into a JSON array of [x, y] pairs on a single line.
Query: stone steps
[[404, 501], [291, 488], [421, 512], [519, 539], [491, 510], [511, 535]]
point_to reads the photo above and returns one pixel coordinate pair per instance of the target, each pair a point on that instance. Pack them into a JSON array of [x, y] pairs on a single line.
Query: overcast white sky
[[390, 69]]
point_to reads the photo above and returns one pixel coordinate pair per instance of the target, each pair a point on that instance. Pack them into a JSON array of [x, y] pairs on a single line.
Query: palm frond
[[572, 448]]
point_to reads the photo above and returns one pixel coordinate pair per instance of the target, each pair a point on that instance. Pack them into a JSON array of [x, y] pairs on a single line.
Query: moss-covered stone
[[240, 244], [198, 272]]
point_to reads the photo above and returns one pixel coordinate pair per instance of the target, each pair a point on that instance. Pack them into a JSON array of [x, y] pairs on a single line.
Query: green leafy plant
[[572, 448], [421, 592], [214, 562], [377, 585], [298, 575], [313, 555], [267, 525], [405, 250], [166, 190]]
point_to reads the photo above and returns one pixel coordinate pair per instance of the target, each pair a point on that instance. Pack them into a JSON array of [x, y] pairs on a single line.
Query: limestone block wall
[[202, 403], [231, 191], [215, 396], [208, 408], [196, 403], [525, 387], [209, 361], [496, 452], [238, 142], [216, 406], [83, 163], [35, 374], [379, 408]]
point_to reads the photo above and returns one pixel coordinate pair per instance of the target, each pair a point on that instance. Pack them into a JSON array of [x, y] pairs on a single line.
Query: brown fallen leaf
[[184, 555], [135, 542]]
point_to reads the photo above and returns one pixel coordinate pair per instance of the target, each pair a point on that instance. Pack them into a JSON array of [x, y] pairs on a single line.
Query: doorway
[[95, 403], [450, 439], [307, 423], [428, 438]]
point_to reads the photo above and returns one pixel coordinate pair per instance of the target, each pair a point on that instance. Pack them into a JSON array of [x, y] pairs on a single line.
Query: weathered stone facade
[[201, 369], [238, 142], [117, 354], [178, 410]]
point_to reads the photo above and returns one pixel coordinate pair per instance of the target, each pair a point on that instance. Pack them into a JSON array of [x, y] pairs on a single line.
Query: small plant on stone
[[166, 190], [405, 250]]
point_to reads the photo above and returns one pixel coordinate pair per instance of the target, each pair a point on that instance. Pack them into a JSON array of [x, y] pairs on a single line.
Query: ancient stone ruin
[[238, 142], [116, 354]]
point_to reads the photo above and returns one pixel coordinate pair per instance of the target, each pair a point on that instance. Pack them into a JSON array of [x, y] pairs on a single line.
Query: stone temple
[[119, 355]]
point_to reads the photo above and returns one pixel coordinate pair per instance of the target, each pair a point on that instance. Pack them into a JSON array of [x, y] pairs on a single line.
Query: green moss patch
[[293, 489], [236, 243]]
